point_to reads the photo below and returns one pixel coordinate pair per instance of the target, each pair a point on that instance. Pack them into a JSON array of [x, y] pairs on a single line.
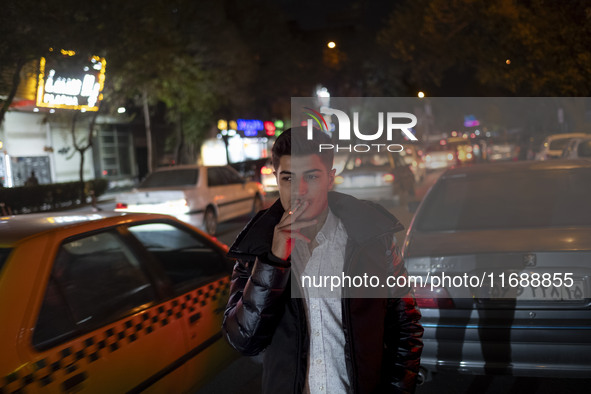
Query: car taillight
[[387, 178], [438, 298], [338, 180], [266, 170], [121, 205]]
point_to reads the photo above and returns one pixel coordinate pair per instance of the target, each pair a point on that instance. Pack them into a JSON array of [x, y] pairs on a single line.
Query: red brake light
[[438, 298], [121, 205]]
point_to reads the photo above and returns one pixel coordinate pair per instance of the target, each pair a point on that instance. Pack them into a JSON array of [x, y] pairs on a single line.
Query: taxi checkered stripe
[[59, 364]]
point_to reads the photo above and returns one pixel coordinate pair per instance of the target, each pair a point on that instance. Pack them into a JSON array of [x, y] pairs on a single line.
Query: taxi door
[[96, 325], [200, 277]]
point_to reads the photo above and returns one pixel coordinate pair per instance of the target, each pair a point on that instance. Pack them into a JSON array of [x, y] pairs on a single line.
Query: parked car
[[377, 176], [439, 157], [554, 144], [202, 196], [578, 148], [521, 233], [110, 303], [502, 151]]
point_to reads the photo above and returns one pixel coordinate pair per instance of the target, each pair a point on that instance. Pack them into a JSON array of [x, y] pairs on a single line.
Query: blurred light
[[231, 133], [279, 124], [322, 92], [468, 156], [105, 172], [68, 53], [233, 125], [269, 128], [477, 132], [428, 158], [121, 110], [442, 142], [468, 149], [83, 110], [331, 45], [465, 135], [1, 144], [454, 133], [121, 205], [224, 132], [222, 124], [266, 170], [338, 180], [421, 94], [450, 156], [508, 61], [472, 135], [438, 298], [488, 133], [388, 178], [52, 111]]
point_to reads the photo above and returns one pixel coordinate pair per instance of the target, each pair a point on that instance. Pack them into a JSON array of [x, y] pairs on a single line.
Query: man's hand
[[288, 230]]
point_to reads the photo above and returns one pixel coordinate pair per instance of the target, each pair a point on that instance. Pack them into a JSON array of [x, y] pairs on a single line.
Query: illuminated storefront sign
[[251, 127], [66, 81]]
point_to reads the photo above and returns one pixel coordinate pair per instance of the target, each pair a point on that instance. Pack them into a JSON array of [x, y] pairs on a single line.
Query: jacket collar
[[363, 221]]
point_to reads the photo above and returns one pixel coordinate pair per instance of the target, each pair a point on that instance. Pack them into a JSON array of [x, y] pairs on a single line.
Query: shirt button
[[319, 361], [321, 388], [317, 333]]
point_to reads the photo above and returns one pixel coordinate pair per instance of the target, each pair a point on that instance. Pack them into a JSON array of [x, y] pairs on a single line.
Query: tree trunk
[[148, 128], [16, 79], [179, 141]]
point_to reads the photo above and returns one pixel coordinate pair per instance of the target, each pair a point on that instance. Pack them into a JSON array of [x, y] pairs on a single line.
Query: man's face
[[304, 179]]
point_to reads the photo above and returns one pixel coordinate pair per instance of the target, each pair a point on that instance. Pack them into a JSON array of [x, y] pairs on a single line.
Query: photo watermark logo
[[391, 120]]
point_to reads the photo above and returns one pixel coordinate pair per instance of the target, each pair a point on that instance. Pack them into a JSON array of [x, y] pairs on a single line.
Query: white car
[[199, 195], [554, 144]]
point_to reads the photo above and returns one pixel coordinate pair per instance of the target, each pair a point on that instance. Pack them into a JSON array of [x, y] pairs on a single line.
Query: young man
[[320, 344]]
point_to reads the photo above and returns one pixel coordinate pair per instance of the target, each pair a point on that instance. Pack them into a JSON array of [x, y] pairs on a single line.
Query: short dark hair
[[294, 141]]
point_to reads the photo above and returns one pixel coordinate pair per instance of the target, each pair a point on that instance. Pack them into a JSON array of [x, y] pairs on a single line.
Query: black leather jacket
[[383, 335]]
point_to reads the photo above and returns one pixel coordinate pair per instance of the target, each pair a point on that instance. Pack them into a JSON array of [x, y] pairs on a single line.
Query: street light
[[421, 94], [331, 45]]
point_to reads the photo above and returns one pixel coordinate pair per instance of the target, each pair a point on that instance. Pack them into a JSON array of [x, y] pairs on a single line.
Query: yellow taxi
[[110, 303]]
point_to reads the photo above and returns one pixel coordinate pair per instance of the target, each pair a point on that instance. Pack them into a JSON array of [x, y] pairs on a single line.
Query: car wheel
[[257, 205], [210, 221]]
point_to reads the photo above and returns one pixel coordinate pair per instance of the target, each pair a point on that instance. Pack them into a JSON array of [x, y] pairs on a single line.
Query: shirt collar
[[329, 229]]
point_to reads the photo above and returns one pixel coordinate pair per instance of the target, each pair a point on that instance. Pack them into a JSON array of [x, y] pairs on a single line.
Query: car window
[[508, 200], [173, 178], [215, 177], [231, 175], [95, 280], [187, 259], [559, 143], [584, 149]]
